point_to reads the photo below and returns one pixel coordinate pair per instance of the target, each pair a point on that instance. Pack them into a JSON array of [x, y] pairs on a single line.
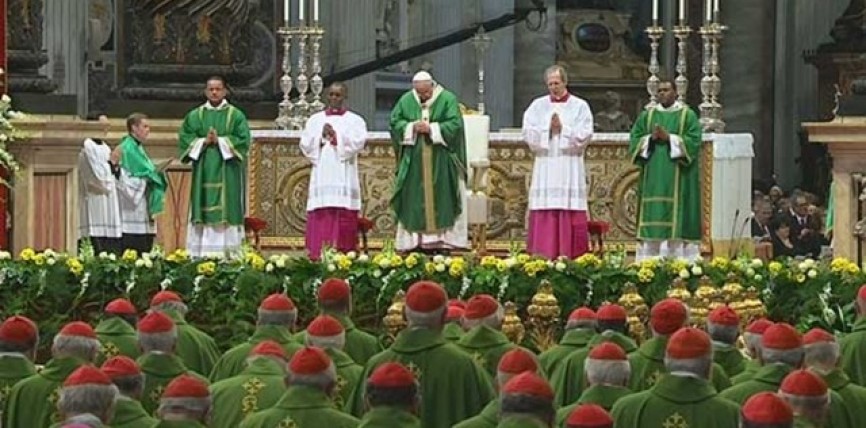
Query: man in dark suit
[[802, 234], [762, 213]]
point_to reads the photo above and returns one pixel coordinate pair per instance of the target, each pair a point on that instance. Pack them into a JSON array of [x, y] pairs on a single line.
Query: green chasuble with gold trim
[[348, 376], [257, 388], [457, 387], [427, 195], [117, 337], [648, 365], [217, 189], [301, 407], [137, 163], [32, 403], [676, 402], [670, 190], [360, 345], [129, 413], [572, 340], [234, 360], [852, 394], [13, 368], [853, 348], [603, 395], [389, 417], [488, 418], [486, 346], [159, 369], [196, 348], [569, 379]]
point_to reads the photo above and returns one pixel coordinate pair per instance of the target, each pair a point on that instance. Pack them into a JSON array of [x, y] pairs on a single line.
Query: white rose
[[49, 253], [351, 255], [756, 263], [440, 267], [684, 274], [560, 266], [269, 267], [6, 99], [759, 278], [812, 273], [331, 267], [697, 271], [438, 258], [139, 263], [750, 272], [3, 137], [363, 258], [549, 264]]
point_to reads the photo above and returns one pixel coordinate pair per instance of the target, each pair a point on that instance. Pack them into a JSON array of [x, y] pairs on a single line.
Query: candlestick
[[709, 11], [682, 10], [655, 33], [681, 32], [716, 10], [315, 10], [301, 11], [655, 12], [286, 12]]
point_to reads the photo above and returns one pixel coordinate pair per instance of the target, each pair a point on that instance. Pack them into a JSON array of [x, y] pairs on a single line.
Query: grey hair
[[432, 319], [162, 342], [701, 367], [189, 407], [822, 357], [93, 399], [575, 324], [812, 407], [279, 361], [607, 372], [172, 305], [558, 69], [278, 318], [527, 405], [92, 421], [493, 320], [723, 333], [791, 357], [321, 381], [83, 348], [129, 385], [753, 343], [337, 342]]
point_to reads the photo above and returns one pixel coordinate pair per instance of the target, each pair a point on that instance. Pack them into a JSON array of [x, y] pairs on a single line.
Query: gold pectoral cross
[[675, 420]]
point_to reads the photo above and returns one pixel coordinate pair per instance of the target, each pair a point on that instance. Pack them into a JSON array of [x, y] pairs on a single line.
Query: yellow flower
[[456, 270], [179, 255], [74, 266], [775, 268], [377, 259], [501, 265], [130, 255], [852, 269], [677, 266], [206, 268], [257, 262], [523, 258], [396, 260], [27, 254], [489, 261], [800, 278], [39, 259], [719, 262], [588, 259], [430, 267], [411, 261], [645, 275], [649, 264], [344, 263]]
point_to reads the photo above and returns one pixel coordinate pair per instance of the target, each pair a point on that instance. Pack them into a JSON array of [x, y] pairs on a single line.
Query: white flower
[[377, 273], [750, 272], [3, 137], [756, 263], [5, 255], [684, 274], [560, 266], [49, 253], [139, 263], [759, 278], [148, 264], [6, 99], [112, 257], [331, 267], [812, 273], [165, 284], [697, 271], [439, 258], [351, 255], [809, 262], [280, 263], [803, 266], [103, 255], [448, 261], [385, 262], [510, 262], [440, 267], [363, 258], [50, 261], [269, 267], [549, 264]]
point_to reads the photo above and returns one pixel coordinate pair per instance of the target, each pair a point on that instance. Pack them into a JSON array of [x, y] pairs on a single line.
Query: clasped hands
[[421, 127], [328, 134], [555, 124], [212, 137], [659, 133]]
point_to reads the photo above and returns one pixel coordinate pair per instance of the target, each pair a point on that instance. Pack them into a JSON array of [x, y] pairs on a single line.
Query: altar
[[278, 181]]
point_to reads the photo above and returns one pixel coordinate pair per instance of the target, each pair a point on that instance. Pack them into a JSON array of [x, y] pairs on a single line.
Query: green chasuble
[[676, 401], [767, 378], [648, 365], [748, 372], [348, 376], [360, 345], [129, 413], [32, 403], [569, 379], [670, 192], [13, 367], [486, 345], [521, 421], [488, 418], [389, 417], [257, 388], [573, 340], [117, 337], [456, 386], [602, 395], [234, 360], [135, 161], [158, 369], [179, 424], [196, 348], [301, 407], [453, 331], [730, 358], [852, 394], [217, 189], [853, 347], [427, 195]]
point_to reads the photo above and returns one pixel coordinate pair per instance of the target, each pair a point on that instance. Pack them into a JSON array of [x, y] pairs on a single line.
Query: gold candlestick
[[512, 326], [544, 314]]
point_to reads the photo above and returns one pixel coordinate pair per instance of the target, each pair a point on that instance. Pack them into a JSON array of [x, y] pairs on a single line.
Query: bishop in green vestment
[[14, 367], [648, 364], [128, 413], [572, 340], [749, 369], [360, 345], [301, 407], [348, 376], [196, 348], [32, 402], [117, 337], [258, 387], [666, 145], [215, 138], [569, 378], [852, 394], [603, 395], [767, 378], [234, 360], [854, 344], [486, 345], [159, 368], [392, 398], [429, 190]]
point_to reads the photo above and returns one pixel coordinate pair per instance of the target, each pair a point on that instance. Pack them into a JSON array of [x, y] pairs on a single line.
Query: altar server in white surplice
[[98, 206], [558, 127], [331, 141]]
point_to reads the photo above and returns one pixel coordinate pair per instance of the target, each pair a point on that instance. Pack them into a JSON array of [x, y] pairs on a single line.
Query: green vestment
[[521, 421], [159, 369], [676, 401], [348, 376], [217, 188], [767, 378], [32, 403], [179, 424], [427, 195], [196, 348], [648, 364], [602, 395], [360, 345], [13, 368], [569, 379], [488, 418], [301, 407], [458, 387], [486, 345], [389, 417], [748, 372], [257, 388], [573, 340], [453, 331], [137, 163], [852, 394], [234, 360], [117, 337], [853, 347], [730, 358], [129, 413], [670, 192]]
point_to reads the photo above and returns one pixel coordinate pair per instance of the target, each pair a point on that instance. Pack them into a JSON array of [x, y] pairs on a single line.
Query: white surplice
[[98, 207], [558, 174], [334, 179], [133, 205]]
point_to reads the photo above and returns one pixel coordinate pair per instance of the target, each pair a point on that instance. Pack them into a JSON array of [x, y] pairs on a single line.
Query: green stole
[[348, 376], [234, 360], [137, 163], [569, 379], [457, 386], [360, 345], [488, 418], [767, 378], [853, 349], [730, 358], [426, 195], [117, 337], [301, 407], [669, 189], [159, 369], [258, 387], [648, 365], [389, 417], [33, 401], [196, 348], [129, 413], [676, 401], [572, 340], [603, 395], [486, 345], [217, 188]]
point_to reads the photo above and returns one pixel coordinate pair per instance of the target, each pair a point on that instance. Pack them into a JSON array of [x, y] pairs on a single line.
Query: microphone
[[733, 231], [746, 222]]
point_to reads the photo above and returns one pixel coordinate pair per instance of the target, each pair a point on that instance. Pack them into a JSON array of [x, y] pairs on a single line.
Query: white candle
[[682, 11], [316, 10], [709, 8], [655, 11], [301, 10], [716, 9], [286, 11]]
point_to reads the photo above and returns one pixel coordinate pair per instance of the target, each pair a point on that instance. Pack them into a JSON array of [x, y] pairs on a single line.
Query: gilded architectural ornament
[[544, 312], [394, 320], [512, 326], [638, 311]]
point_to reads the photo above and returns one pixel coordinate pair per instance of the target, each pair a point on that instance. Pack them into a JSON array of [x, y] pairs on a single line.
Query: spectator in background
[[783, 244]]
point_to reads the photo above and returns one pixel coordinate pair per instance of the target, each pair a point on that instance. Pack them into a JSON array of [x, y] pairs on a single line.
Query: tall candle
[[316, 10], [682, 11], [655, 11], [716, 9], [709, 8], [286, 11], [301, 10]]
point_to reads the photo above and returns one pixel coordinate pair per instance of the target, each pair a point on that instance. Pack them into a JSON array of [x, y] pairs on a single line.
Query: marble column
[[534, 51], [351, 45]]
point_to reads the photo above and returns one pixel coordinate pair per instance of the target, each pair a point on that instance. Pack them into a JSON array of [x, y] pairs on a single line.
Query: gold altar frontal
[[279, 180]]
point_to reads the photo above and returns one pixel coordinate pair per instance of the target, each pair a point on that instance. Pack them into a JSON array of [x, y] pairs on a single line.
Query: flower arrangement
[[8, 135]]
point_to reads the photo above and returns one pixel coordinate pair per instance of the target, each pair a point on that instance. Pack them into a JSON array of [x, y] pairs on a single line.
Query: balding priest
[[429, 197]]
